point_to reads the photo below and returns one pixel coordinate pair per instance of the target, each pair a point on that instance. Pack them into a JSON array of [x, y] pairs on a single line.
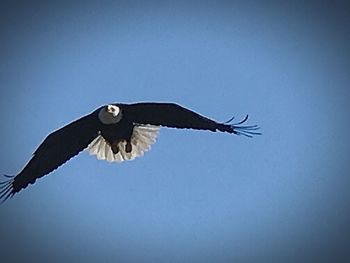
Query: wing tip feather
[[6, 188], [239, 129]]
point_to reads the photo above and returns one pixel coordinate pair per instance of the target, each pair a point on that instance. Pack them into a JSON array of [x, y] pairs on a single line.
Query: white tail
[[142, 138]]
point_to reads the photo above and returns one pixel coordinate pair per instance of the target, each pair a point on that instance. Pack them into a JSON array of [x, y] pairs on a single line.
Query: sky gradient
[[196, 196]]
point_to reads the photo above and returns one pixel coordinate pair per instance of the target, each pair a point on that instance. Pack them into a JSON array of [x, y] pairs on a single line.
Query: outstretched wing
[[175, 116], [55, 150]]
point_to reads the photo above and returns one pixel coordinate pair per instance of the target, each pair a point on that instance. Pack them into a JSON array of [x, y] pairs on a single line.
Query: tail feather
[[141, 140]]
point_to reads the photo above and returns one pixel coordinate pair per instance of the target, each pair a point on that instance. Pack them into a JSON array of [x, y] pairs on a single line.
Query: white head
[[110, 114]]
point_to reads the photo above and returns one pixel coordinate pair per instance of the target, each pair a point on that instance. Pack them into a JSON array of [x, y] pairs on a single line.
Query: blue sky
[[196, 196]]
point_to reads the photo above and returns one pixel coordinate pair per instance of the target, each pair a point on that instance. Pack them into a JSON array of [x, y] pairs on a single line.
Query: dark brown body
[[115, 133]]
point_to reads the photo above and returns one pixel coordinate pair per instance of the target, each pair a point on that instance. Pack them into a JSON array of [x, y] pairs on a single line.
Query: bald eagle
[[115, 133]]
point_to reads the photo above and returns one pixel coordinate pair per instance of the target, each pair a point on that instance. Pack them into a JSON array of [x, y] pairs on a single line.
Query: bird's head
[[110, 114], [113, 110]]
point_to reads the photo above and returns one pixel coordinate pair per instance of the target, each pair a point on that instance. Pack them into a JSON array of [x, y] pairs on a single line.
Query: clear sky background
[[196, 196]]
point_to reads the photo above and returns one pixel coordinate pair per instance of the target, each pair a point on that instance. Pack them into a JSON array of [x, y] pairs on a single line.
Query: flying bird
[[115, 132]]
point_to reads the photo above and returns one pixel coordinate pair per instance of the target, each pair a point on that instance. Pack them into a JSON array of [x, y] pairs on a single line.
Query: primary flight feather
[[114, 132]]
